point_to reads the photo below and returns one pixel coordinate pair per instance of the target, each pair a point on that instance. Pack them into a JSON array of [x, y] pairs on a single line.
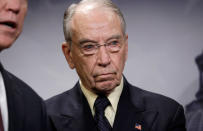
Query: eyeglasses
[[91, 48]]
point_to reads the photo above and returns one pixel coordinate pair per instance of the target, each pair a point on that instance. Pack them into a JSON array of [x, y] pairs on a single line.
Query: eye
[[114, 43], [88, 46]]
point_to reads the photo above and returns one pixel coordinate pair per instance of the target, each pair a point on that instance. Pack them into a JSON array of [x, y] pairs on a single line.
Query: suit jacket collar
[[14, 101]]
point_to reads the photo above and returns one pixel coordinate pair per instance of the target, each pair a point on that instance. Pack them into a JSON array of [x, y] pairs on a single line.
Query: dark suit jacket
[[70, 111], [194, 115], [26, 110]]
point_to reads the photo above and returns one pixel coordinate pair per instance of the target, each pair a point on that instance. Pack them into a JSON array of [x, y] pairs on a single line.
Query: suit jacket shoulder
[[194, 115], [152, 101], [19, 86], [64, 102], [26, 110], [159, 113], [70, 111]]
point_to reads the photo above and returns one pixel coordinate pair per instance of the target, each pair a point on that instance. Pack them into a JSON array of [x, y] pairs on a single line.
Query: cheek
[[21, 17], [84, 65], [89, 65], [21, 22], [84, 69], [118, 60]]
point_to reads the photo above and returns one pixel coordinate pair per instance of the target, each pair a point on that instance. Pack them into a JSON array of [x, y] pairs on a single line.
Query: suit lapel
[[14, 102], [131, 113], [77, 117]]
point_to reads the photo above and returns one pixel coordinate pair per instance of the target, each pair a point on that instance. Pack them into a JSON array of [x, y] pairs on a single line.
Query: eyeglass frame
[[96, 45]]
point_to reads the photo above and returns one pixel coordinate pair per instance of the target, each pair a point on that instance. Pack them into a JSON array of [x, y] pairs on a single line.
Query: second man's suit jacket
[[26, 110], [138, 110]]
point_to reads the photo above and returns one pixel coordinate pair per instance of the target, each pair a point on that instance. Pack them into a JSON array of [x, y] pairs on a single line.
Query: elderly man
[[21, 109], [103, 100]]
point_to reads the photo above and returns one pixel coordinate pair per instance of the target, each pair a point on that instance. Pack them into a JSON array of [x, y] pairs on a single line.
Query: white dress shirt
[[3, 104], [110, 111]]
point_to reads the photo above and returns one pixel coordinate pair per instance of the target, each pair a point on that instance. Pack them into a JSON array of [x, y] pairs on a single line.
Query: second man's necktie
[[1, 123], [100, 105]]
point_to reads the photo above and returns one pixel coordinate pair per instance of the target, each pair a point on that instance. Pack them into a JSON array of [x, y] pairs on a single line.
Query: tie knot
[[101, 103]]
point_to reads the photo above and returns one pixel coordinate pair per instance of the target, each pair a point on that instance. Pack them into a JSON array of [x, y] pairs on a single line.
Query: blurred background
[[165, 36]]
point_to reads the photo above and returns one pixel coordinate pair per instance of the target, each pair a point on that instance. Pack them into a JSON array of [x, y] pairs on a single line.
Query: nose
[[103, 57], [13, 6]]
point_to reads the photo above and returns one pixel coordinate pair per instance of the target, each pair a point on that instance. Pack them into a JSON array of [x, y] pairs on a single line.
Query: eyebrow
[[114, 37], [86, 40]]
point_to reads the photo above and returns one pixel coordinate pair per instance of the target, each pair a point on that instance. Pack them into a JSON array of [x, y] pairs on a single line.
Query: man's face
[[12, 14], [102, 71]]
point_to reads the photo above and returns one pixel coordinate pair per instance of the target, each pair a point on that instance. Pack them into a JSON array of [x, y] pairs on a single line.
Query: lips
[[104, 77], [10, 24]]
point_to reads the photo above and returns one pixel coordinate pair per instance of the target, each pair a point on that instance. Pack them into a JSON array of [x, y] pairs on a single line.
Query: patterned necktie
[[1, 123], [100, 105]]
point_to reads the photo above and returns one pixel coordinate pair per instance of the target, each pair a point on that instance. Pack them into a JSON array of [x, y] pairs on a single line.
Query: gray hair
[[70, 11]]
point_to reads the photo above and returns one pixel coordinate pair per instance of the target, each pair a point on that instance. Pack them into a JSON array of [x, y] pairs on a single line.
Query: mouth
[[104, 77], [9, 24]]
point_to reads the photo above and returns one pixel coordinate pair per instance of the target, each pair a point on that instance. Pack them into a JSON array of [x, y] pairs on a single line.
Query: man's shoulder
[[152, 100], [194, 109], [194, 115], [26, 102], [60, 98], [68, 99], [169, 113], [17, 86]]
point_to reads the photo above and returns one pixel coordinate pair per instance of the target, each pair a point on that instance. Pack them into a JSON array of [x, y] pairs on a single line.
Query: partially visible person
[[103, 100], [194, 110], [21, 109]]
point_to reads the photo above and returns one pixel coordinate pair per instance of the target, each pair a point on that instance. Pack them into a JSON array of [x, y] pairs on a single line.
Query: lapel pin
[[138, 126]]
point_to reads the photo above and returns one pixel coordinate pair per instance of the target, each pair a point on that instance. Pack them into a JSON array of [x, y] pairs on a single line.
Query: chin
[[5, 43], [4, 46], [105, 87]]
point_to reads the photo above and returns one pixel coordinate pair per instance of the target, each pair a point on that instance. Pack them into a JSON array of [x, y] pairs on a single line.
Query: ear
[[126, 47], [66, 48]]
